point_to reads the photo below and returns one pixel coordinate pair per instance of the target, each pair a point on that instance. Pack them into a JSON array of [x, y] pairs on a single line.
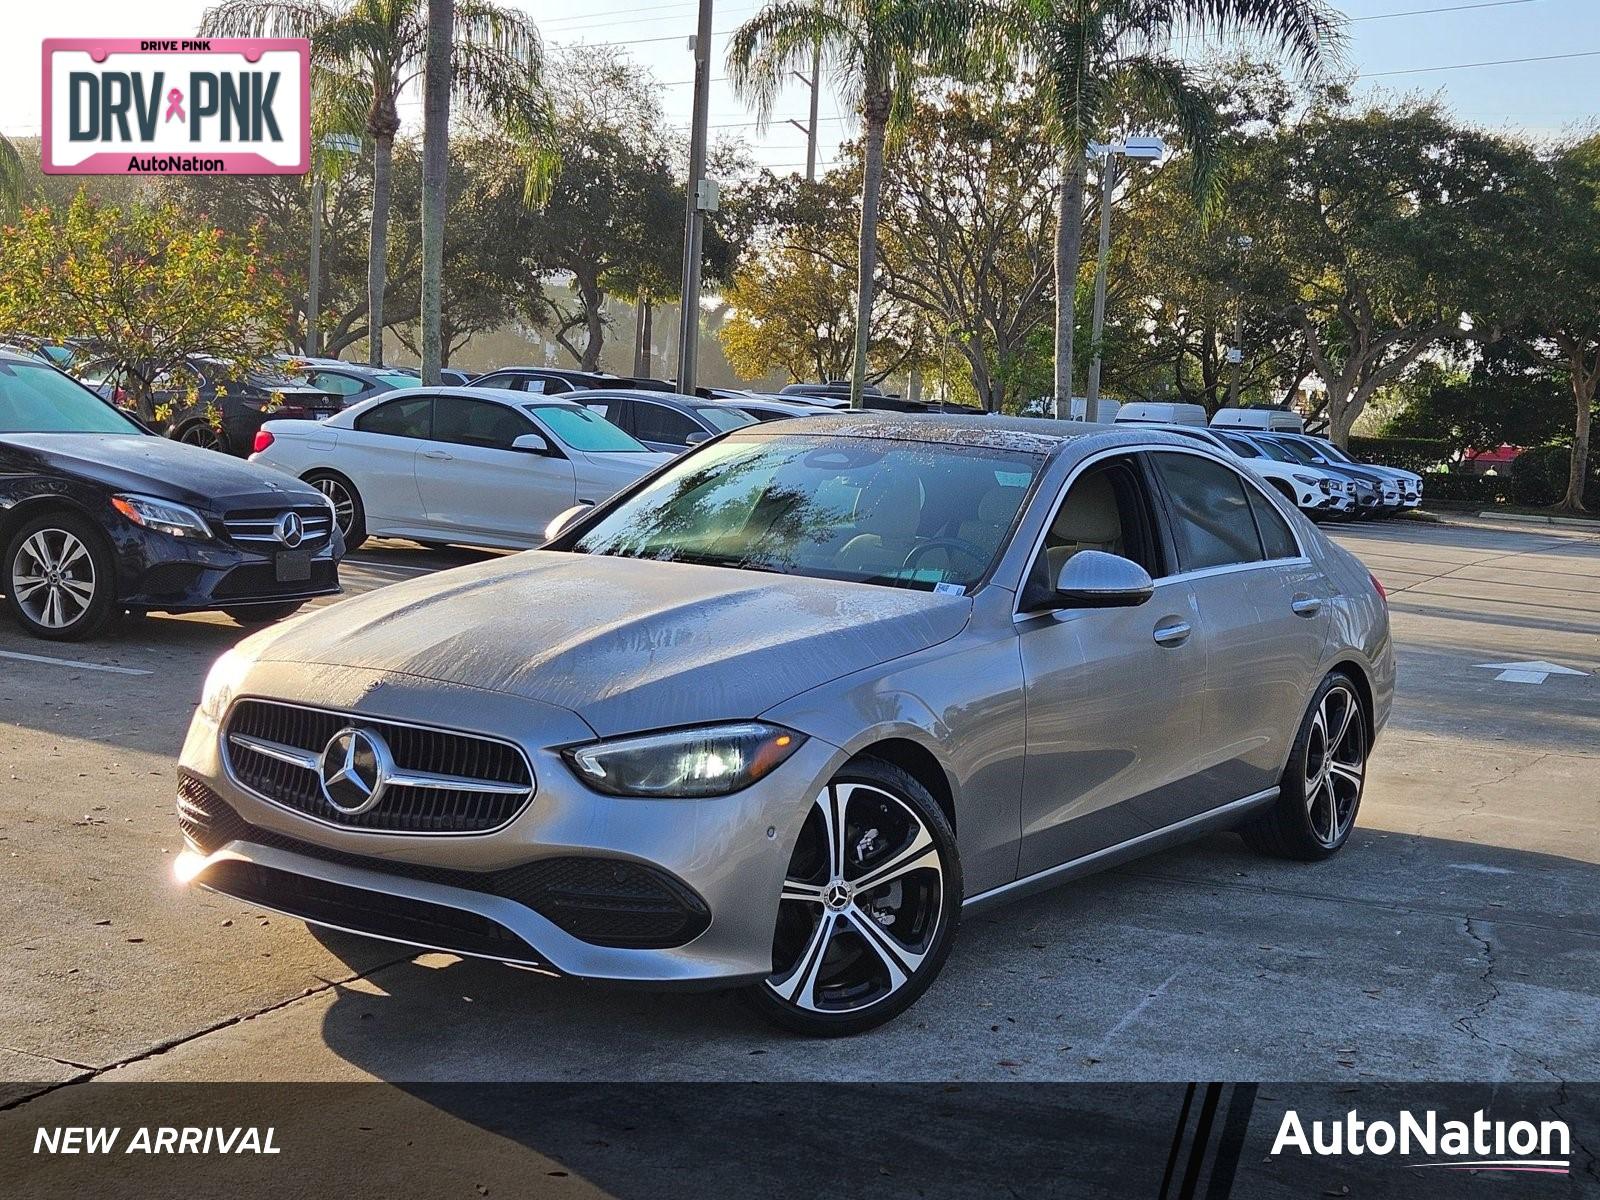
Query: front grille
[[257, 581], [260, 525], [402, 918], [415, 749], [608, 902]]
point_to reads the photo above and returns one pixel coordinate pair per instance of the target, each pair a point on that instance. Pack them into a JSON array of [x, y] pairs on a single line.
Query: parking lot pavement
[[1457, 938]]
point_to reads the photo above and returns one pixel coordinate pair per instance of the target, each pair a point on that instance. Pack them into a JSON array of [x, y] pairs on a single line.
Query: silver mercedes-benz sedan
[[776, 715]]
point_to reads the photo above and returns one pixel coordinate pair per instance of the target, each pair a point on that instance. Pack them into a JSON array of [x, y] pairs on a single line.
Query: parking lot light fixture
[[1150, 150]]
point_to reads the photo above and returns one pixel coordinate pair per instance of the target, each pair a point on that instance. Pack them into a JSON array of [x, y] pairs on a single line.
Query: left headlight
[[161, 515], [712, 760], [222, 681]]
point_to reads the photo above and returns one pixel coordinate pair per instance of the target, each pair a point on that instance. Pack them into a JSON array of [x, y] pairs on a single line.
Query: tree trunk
[[1583, 387], [1069, 247], [877, 119], [435, 179], [378, 246], [646, 335], [593, 300]]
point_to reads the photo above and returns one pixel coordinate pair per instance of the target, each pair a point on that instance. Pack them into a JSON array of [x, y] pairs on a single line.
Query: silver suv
[[778, 714]]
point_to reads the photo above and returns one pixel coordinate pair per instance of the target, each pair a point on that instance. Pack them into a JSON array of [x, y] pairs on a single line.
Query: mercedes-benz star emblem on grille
[[291, 529], [355, 768]]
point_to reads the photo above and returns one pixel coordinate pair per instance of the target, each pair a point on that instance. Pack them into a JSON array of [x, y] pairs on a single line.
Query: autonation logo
[[1476, 1145]]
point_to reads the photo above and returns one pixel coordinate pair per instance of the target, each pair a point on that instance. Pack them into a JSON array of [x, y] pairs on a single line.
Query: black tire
[[839, 965], [80, 589], [264, 614], [350, 513], [200, 433], [1320, 791]]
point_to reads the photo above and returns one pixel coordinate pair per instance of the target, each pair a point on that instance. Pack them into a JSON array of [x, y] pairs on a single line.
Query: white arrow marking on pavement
[[1528, 672]]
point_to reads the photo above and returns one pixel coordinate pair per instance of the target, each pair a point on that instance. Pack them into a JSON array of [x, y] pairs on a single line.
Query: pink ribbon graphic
[[175, 105]]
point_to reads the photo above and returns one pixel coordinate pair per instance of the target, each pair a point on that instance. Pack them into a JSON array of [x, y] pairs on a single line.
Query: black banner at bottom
[[656, 1141]]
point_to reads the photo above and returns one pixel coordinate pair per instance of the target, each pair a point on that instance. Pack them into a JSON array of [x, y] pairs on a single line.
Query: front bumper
[[445, 892], [161, 573]]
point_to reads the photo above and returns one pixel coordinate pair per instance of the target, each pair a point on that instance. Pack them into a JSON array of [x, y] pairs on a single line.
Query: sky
[[1392, 45]]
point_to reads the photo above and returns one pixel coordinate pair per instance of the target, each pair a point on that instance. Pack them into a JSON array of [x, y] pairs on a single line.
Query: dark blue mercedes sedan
[[99, 516]]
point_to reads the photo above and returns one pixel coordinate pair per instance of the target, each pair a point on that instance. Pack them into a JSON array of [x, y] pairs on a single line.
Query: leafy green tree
[[1376, 230], [13, 179], [793, 310], [876, 52], [147, 284], [1510, 396], [366, 53], [1089, 61]]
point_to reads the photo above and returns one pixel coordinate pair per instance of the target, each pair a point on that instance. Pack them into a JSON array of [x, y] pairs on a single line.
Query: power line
[[1498, 62], [1422, 12]]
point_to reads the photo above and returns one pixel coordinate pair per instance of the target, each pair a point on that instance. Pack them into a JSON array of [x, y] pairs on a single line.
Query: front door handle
[[437, 455], [1171, 633], [1305, 606]]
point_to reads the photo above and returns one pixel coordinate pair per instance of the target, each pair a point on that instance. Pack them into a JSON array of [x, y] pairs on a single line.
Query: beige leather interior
[[1089, 520], [995, 511], [887, 514]]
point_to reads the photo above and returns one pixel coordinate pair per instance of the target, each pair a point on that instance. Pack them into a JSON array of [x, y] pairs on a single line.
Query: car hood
[[627, 644], [159, 467]]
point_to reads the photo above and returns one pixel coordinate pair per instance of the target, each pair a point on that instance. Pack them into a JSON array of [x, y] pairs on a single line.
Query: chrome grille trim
[[262, 526], [445, 782]]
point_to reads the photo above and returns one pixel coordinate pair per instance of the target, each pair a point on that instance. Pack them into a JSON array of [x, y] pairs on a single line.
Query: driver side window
[[1107, 508]]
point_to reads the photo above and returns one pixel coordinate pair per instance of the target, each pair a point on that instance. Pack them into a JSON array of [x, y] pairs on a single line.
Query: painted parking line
[[72, 662]]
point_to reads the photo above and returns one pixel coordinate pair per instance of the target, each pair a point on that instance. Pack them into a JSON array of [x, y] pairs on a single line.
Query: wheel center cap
[[837, 896]]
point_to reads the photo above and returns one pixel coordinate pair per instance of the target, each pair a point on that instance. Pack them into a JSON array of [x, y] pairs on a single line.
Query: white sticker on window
[[950, 589]]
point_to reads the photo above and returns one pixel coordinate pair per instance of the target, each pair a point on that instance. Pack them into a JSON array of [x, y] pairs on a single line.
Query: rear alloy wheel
[[203, 435], [348, 513], [869, 906], [59, 578], [1320, 792]]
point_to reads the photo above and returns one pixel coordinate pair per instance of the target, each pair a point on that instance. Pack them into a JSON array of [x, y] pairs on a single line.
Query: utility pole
[[700, 197], [331, 145], [313, 346], [810, 130]]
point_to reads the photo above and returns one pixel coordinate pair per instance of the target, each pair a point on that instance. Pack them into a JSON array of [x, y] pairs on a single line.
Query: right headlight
[[710, 760]]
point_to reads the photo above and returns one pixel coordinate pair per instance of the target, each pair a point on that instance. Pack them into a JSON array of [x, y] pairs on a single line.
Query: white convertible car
[[479, 466]]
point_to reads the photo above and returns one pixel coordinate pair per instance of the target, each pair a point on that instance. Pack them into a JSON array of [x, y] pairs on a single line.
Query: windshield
[[905, 514], [724, 418], [1329, 450], [1274, 450], [39, 399], [1240, 446], [585, 430], [1302, 453]]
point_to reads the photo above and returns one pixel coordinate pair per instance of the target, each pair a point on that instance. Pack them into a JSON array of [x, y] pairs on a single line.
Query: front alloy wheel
[[869, 905], [59, 578]]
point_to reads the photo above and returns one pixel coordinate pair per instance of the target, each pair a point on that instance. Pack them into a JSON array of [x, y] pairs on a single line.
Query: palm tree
[[875, 51], [1087, 58], [368, 52]]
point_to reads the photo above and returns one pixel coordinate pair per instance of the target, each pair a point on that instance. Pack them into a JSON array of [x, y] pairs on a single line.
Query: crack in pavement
[[173, 1043]]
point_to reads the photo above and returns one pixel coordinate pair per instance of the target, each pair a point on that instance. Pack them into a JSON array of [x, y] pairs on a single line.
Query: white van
[[1274, 420], [1163, 414]]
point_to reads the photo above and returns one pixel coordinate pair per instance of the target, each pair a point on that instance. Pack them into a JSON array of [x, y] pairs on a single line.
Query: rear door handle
[[437, 455], [1171, 633], [1305, 606]]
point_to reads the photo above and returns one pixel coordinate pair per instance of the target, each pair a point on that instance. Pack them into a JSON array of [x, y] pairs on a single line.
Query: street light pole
[[1242, 245], [1147, 149], [1108, 182], [313, 346], [698, 201]]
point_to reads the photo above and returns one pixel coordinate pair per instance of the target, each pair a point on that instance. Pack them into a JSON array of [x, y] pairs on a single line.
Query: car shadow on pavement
[[1406, 958]]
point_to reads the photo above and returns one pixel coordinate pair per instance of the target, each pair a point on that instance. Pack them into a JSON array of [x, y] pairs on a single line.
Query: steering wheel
[[978, 555]]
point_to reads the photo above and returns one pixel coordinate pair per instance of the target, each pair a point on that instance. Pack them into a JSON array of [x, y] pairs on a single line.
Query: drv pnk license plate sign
[[198, 106]]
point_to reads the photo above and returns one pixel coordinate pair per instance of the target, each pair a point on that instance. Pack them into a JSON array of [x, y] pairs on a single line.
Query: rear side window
[[1212, 522], [658, 423], [1276, 539], [510, 383], [412, 418]]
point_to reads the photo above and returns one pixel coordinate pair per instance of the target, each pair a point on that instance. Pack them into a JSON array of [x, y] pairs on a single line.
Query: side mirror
[[1095, 579], [563, 520], [694, 439], [532, 443]]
